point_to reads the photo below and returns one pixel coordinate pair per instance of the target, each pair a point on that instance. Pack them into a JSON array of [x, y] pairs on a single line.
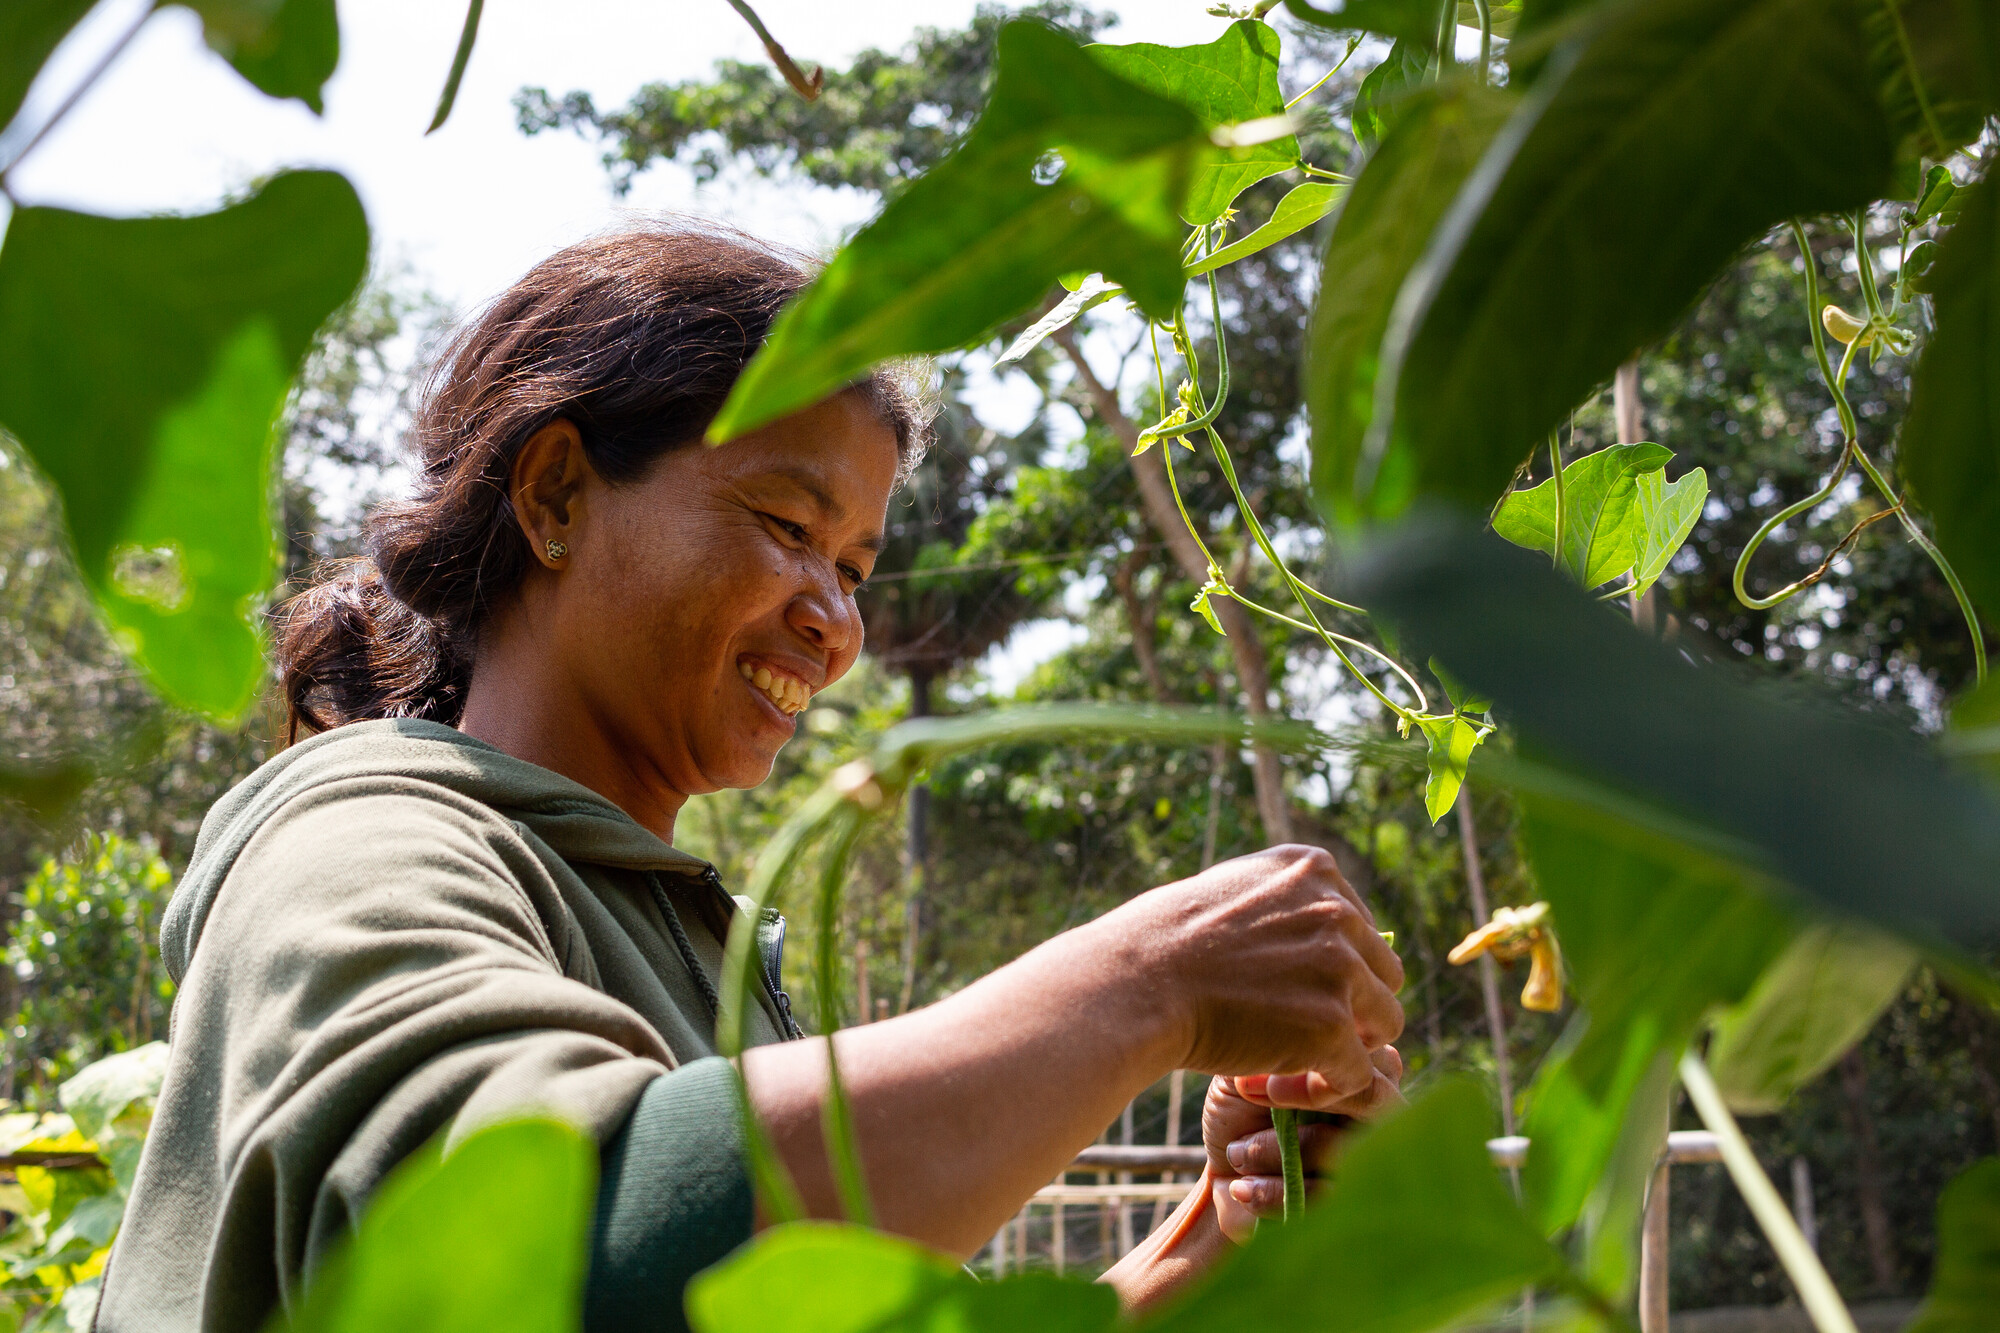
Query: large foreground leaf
[[1686, 129], [1233, 78], [979, 239], [1864, 818], [1965, 1287], [1950, 448], [815, 1277], [1415, 1232], [1655, 935], [1381, 232], [146, 363], [493, 1238], [287, 48], [1817, 1000]]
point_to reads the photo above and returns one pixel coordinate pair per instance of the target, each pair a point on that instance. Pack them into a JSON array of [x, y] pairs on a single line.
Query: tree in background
[[85, 957]]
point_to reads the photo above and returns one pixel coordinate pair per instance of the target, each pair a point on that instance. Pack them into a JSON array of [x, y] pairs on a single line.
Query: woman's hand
[[1268, 964], [1245, 1177]]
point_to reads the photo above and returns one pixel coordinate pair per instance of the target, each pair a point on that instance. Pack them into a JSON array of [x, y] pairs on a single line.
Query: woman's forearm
[[965, 1108]]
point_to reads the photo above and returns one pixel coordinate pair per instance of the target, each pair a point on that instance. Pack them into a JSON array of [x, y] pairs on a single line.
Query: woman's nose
[[824, 613]]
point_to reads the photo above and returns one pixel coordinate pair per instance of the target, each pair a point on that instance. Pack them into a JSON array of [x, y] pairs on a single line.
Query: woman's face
[[701, 607]]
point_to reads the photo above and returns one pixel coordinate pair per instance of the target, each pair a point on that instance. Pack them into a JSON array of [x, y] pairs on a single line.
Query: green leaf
[[1302, 206], [1819, 998], [148, 360], [1462, 699], [1450, 741], [30, 31], [1201, 605], [1965, 1284], [1421, 1228], [1094, 292], [1502, 16], [817, 1277], [1601, 522], [1666, 515], [286, 48], [466, 37], [1866, 819], [100, 1094], [1379, 99], [1231, 79], [492, 1238], [1406, 20], [1950, 446], [1654, 935], [1924, 55], [1685, 130], [977, 239], [1378, 236]]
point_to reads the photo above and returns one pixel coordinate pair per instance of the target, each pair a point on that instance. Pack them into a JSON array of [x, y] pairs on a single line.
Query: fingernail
[[1252, 1085], [1286, 1087], [1238, 1153]]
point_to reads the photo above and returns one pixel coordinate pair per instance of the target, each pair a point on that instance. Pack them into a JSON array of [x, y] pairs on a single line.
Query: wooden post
[[865, 1011], [1125, 1178], [1176, 1089], [1653, 1266], [1802, 1202]]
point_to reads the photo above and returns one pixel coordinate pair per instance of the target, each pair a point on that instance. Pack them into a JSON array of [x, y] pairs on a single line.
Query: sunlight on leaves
[[1302, 206], [976, 240], [1450, 741], [1229, 80]]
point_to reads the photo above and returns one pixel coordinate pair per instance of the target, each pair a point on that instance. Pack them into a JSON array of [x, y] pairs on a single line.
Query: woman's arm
[[963, 1109]]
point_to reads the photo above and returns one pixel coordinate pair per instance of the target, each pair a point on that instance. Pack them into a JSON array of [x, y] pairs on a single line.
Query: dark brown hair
[[634, 337]]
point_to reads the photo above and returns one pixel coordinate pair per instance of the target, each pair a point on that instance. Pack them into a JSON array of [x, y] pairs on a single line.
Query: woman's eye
[[796, 531], [854, 576]]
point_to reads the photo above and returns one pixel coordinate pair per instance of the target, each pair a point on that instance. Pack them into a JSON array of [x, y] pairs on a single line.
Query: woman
[[459, 900]]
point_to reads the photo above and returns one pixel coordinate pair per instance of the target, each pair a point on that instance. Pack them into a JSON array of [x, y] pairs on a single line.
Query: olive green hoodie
[[393, 930]]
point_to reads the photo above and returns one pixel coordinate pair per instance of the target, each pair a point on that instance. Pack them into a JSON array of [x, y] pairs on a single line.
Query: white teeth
[[747, 670]]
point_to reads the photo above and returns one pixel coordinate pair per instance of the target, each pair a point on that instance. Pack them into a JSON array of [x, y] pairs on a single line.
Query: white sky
[[172, 127]]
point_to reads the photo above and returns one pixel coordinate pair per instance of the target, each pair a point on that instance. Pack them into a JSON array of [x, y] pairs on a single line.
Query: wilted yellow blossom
[[1512, 933]]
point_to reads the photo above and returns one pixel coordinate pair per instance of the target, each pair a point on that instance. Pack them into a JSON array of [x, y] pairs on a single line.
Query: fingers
[[1316, 1091], [1359, 925], [1257, 1154]]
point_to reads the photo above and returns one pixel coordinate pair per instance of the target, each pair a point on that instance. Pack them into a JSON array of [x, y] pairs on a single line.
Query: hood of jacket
[[577, 824]]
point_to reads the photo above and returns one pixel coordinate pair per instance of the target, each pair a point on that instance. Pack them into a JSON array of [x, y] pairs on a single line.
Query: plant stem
[[1556, 476], [1929, 548], [1485, 9], [1352, 46], [1864, 262], [837, 1117], [1816, 1290], [1286, 1122], [75, 95], [808, 88]]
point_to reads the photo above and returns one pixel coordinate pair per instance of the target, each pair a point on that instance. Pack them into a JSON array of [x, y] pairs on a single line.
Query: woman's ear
[[546, 487]]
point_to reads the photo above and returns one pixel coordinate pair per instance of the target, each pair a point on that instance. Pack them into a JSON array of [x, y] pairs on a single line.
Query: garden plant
[[1740, 881]]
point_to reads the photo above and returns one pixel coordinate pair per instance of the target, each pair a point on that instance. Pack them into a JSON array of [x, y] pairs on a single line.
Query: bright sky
[[172, 127]]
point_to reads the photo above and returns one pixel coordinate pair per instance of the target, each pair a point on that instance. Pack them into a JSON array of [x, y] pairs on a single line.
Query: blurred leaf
[[287, 48], [1667, 514], [1231, 79], [46, 790], [1655, 934], [1819, 998], [1601, 521], [102, 1092], [977, 239], [1416, 1223], [1965, 1284], [1383, 92], [1502, 16], [1685, 130], [1924, 55], [492, 1239], [1845, 808], [1449, 742], [148, 360], [1302, 206], [1464, 700], [1407, 20], [816, 1277], [30, 31], [468, 35], [1094, 292], [1950, 445], [1380, 233]]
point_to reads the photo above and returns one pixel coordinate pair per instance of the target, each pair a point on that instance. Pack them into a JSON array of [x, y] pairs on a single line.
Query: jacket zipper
[[713, 878]]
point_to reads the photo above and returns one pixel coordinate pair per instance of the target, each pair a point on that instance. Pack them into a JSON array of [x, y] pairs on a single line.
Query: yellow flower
[[1515, 932]]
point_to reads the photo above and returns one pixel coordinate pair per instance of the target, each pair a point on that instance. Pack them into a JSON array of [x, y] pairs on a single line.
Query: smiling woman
[[458, 900]]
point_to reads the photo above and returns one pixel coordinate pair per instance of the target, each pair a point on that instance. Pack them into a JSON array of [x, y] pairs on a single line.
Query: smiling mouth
[[788, 693]]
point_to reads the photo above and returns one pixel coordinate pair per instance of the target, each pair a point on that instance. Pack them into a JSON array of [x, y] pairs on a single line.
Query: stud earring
[[556, 549]]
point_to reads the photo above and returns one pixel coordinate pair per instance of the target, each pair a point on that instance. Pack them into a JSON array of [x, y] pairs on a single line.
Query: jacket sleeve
[[379, 967]]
